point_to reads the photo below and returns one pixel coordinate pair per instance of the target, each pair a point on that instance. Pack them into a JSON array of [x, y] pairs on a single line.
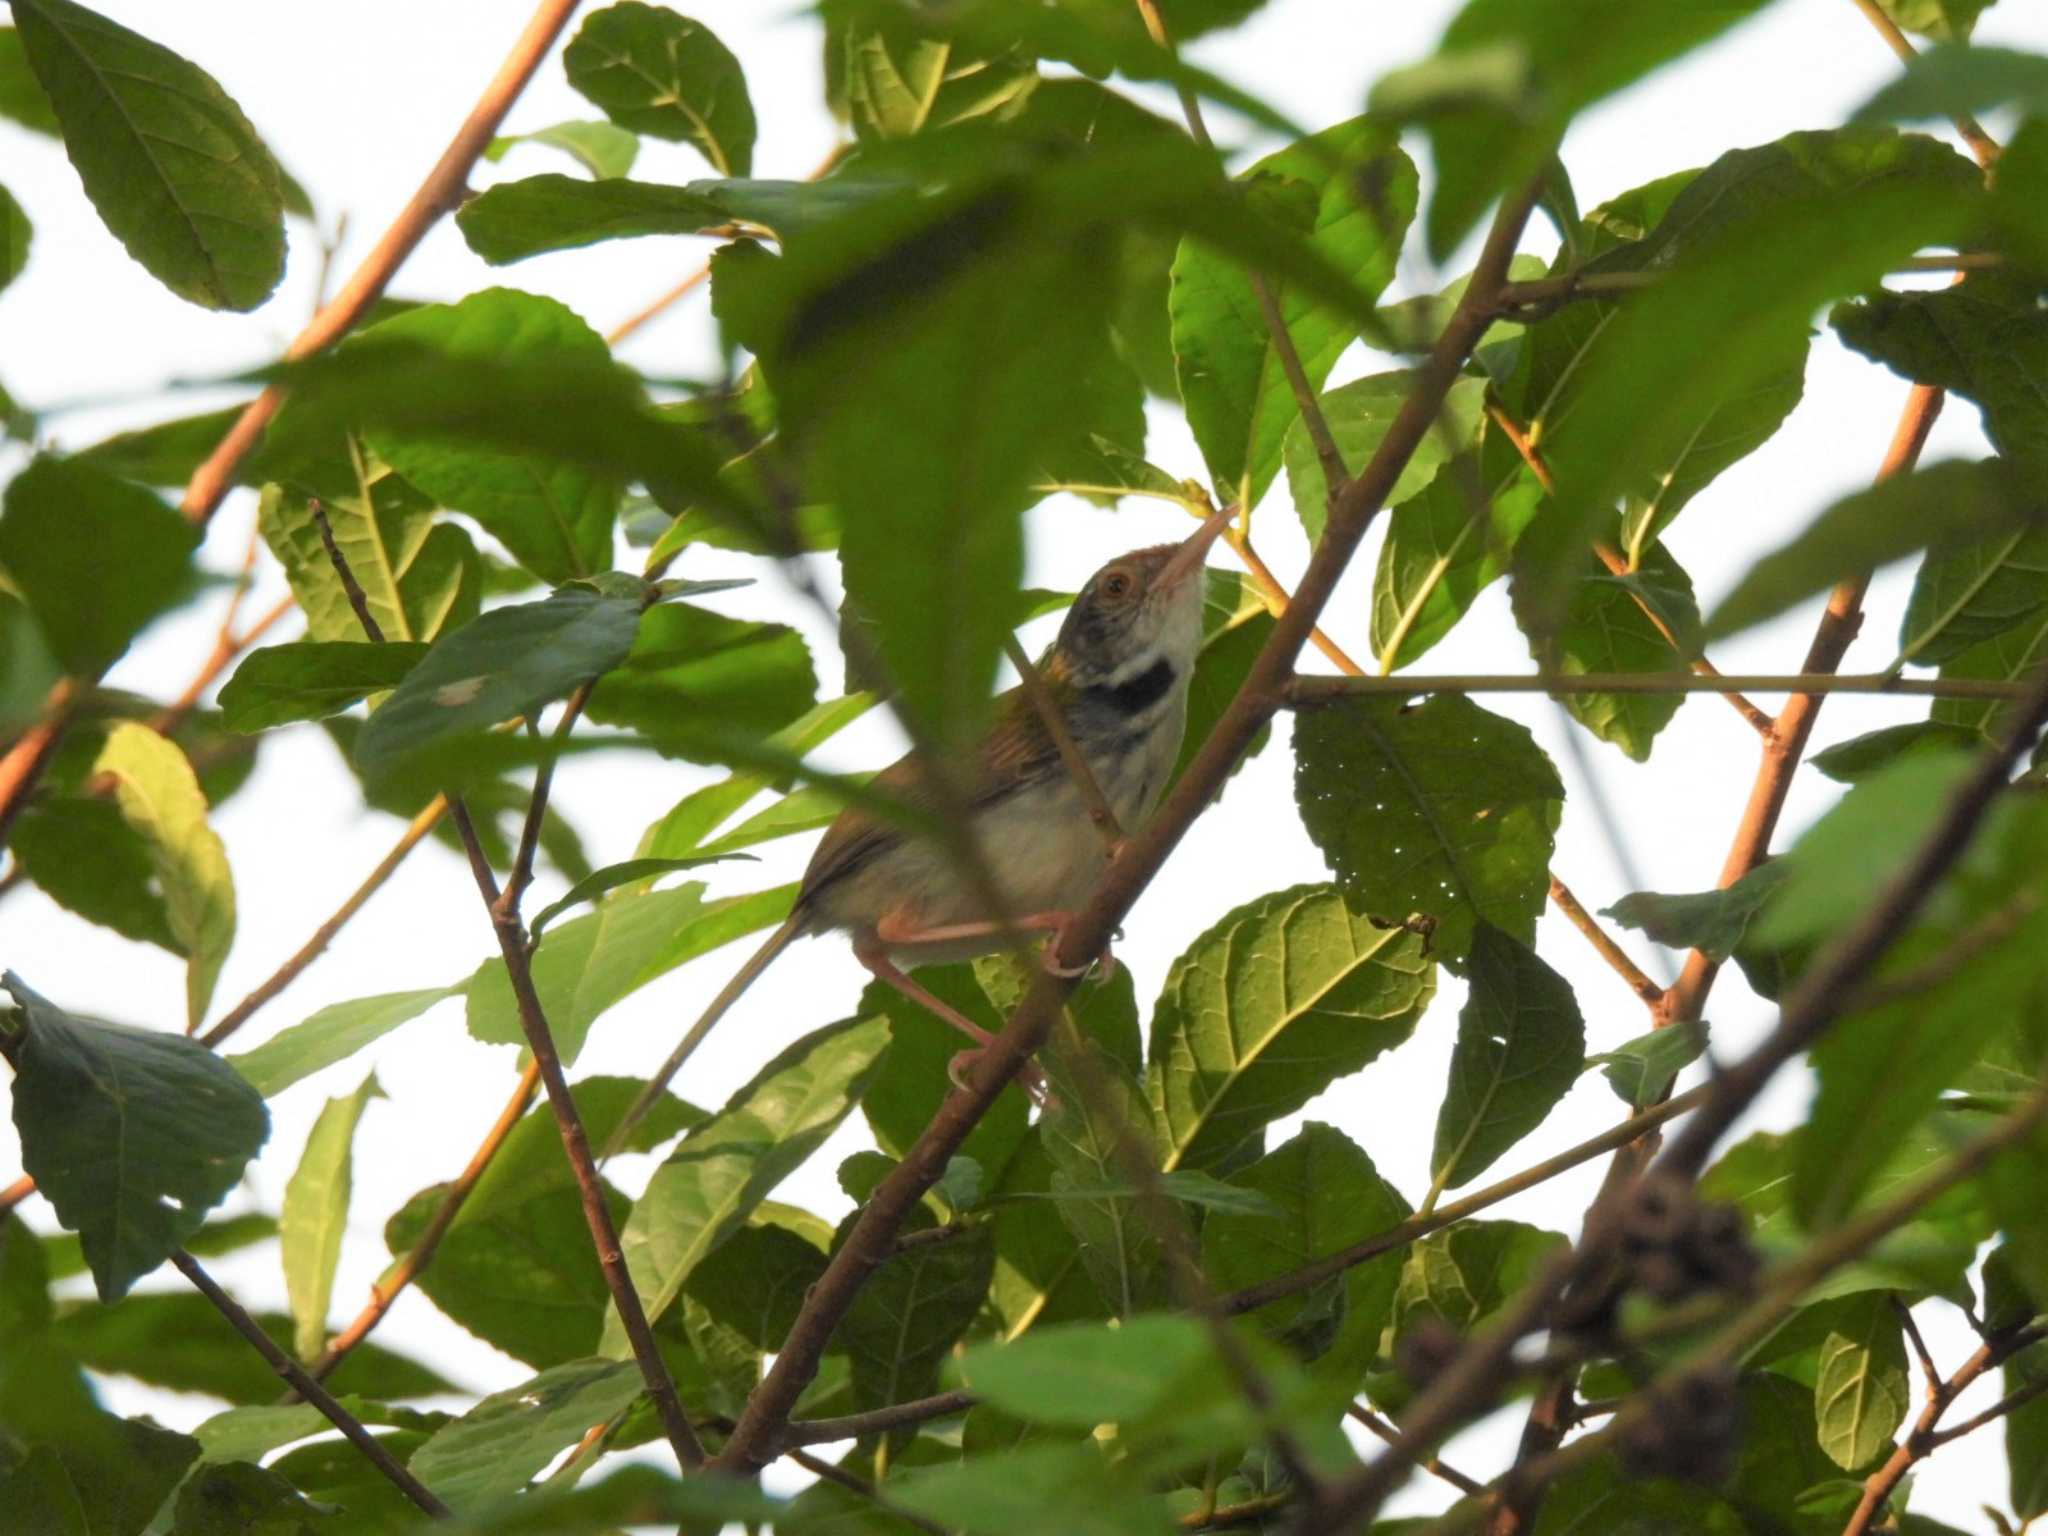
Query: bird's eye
[[1116, 585]]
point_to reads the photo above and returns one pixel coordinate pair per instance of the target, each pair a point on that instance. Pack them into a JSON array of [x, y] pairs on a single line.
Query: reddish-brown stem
[[309, 1389], [389, 1287], [658, 307], [1277, 600], [1435, 1466], [1603, 942], [439, 193], [871, 1239], [537, 807], [225, 650], [22, 768]]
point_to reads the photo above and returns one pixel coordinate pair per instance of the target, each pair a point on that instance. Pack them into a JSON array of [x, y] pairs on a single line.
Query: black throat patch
[[1140, 693]]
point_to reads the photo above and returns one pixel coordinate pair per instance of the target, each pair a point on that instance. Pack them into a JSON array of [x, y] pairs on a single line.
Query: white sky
[[359, 110]]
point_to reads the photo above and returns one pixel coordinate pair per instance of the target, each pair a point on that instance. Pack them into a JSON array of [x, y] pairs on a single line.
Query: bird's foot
[[1049, 957]]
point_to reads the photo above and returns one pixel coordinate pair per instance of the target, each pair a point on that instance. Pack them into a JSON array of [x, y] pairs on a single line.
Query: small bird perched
[[1118, 673]]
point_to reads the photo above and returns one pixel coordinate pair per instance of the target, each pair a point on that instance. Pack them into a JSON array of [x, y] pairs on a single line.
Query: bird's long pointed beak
[[1194, 549]]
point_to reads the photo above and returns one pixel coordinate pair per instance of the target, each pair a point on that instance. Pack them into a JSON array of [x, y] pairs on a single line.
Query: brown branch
[[389, 1287], [22, 767], [225, 649], [1602, 941], [1982, 145], [439, 193], [1433, 1466], [1048, 710], [537, 806], [876, 1421], [358, 599], [871, 1238], [414, 834], [309, 1389]]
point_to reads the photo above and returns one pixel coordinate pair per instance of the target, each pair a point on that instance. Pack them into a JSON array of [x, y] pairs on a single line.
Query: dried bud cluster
[[1425, 1349], [1677, 1245], [1687, 1430]]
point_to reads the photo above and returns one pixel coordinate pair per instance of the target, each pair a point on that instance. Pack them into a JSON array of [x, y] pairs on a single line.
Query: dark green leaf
[[663, 75], [1950, 79], [892, 75], [610, 878], [1326, 1196], [1713, 922], [1084, 1374], [333, 1034], [1268, 1008], [911, 1081], [21, 98], [24, 1279], [1898, 516], [94, 558], [1349, 192], [124, 1471], [593, 961], [1780, 1457], [1598, 1496], [1509, 75], [170, 162], [1235, 627], [2026, 1436], [554, 514], [1461, 1278], [603, 149], [132, 1136], [1447, 544], [1039, 1279], [1966, 595], [239, 1499], [910, 1312], [418, 577], [1359, 414], [1096, 1126], [15, 235], [1854, 760], [39, 1494], [724, 1168], [1641, 1071], [315, 1215], [1521, 1045], [165, 454], [518, 219], [86, 858], [1069, 1488], [312, 679], [1441, 809], [694, 678], [512, 1435], [510, 661]]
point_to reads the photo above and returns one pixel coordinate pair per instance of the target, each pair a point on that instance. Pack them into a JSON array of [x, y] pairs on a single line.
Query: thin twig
[[876, 1421], [1435, 1466], [358, 599], [309, 1389], [658, 307], [1277, 600], [537, 805], [871, 1238], [1982, 145], [1309, 692], [415, 833], [225, 649], [1048, 710], [1544, 294], [387, 1289], [1602, 941], [22, 766], [439, 193], [1904, 1313]]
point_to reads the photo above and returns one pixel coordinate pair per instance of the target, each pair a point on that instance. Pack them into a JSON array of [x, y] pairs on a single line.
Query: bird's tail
[[743, 978]]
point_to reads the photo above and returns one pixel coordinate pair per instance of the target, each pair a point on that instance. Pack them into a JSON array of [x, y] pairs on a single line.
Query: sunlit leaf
[[315, 1215], [603, 149], [666, 76], [512, 1435], [311, 679]]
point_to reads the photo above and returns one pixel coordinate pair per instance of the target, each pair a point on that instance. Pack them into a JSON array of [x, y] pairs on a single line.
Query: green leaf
[[724, 1168], [1521, 1044], [1099, 1113], [1326, 1196], [1898, 516], [15, 235], [1447, 544], [1641, 1071], [910, 1081], [518, 219], [1700, 368], [121, 1470], [1600, 1496], [1861, 1394], [1084, 1374], [2026, 1436], [21, 98], [315, 1215], [1948, 80], [1069, 1488], [908, 1315], [1039, 1278], [1461, 1278], [610, 878], [510, 661], [240, 1499], [892, 74], [663, 75], [1235, 627], [312, 679], [160, 800], [95, 559], [1350, 193], [1509, 75], [1780, 1457], [553, 514], [1265, 1010], [167, 158], [40, 1492], [694, 680], [24, 1279], [689, 823], [510, 1436], [596, 960], [418, 577], [1712, 922], [1854, 760], [1941, 20], [1359, 414], [603, 149], [165, 454], [1968, 594], [333, 1034], [132, 1136], [82, 855], [1442, 809]]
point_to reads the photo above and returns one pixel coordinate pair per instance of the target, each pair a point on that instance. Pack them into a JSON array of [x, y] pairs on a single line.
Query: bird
[[1118, 673]]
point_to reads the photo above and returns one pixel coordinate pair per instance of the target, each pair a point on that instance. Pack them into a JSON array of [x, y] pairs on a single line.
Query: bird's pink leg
[[876, 959], [898, 932]]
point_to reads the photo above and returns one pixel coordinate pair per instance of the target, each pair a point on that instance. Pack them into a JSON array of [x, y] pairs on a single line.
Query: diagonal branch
[[1982, 145], [1562, 898], [871, 1239], [309, 1389], [439, 193]]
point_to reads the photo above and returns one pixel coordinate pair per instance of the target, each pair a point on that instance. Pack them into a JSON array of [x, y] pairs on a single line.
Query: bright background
[[358, 103]]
